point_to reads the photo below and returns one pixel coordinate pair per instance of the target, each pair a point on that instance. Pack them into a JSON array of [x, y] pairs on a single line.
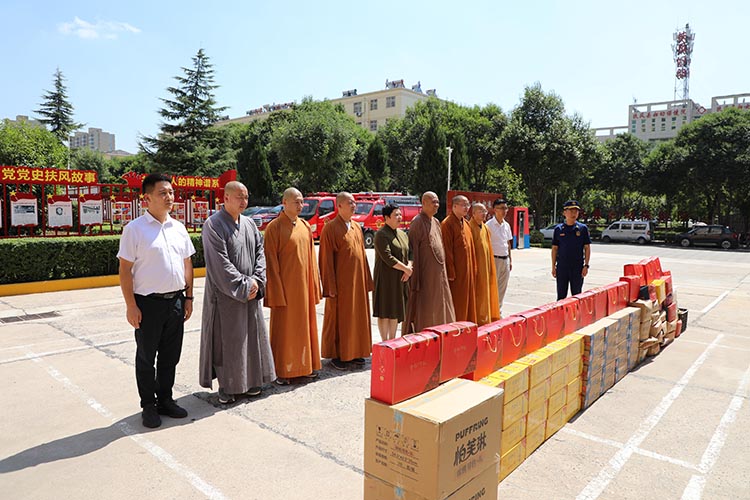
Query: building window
[[390, 102], [373, 125], [359, 123], [358, 108], [373, 104]]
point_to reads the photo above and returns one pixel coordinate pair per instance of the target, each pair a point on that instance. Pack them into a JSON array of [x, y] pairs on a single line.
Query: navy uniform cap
[[571, 204]]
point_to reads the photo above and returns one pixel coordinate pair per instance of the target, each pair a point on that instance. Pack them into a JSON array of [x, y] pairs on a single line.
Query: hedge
[[39, 259]]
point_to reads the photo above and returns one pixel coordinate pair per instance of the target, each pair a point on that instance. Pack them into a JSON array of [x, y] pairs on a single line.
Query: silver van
[[639, 231]]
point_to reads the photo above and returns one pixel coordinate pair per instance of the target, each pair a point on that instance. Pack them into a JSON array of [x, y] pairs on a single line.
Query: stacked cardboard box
[[628, 323], [443, 444], [595, 340]]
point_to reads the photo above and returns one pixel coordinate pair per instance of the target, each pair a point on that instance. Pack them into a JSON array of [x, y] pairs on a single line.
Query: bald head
[[343, 197], [460, 206], [234, 187], [428, 197], [235, 198], [430, 203], [291, 193], [346, 205], [293, 203], [459, 199]]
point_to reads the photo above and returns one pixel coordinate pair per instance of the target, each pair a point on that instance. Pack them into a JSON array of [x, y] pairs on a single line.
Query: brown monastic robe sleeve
[[416, 233], [326, 254], [275, 296], [447, 230]]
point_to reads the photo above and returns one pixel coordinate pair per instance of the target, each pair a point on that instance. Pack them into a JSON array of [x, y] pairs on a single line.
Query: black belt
[[165, 296], [501, 256]]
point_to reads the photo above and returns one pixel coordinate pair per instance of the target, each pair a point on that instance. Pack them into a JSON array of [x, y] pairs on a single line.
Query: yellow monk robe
[[292, 292], [461, 266], [488, 304], [346, 279]]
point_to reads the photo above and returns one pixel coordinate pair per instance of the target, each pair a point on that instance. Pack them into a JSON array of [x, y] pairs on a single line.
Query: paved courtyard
[[677, 427]]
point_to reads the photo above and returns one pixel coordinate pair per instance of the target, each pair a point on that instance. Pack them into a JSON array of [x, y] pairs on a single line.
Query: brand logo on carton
[[472, 428], [417, 365], [476, 496]]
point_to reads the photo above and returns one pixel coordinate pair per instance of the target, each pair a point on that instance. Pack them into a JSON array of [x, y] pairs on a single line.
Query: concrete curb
[[70, 284]]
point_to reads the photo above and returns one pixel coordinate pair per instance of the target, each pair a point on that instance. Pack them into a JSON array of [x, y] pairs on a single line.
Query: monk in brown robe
[[430, 302], [488, 305], [460, 262], [346, 278], [292, 292]]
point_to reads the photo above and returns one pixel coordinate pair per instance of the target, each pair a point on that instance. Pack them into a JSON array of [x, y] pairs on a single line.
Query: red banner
[[38, 175]]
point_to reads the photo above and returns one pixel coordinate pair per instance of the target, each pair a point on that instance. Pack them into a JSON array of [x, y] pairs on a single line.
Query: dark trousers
[[569, 276], [161, 331]]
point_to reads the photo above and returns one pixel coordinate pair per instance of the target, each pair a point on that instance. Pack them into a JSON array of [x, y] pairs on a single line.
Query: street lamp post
[[450, 150]]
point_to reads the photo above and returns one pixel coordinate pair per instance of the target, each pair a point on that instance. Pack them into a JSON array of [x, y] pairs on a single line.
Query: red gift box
[[678, 329], [652, 268], [555, 321], [587, 308], [572, 313], [667, 283], [617, 296], [536, 329], [458, 348], [672, 311], [405, 367], [600, 302], [634, 286], [636, 270], [513, 334], [489, 351]]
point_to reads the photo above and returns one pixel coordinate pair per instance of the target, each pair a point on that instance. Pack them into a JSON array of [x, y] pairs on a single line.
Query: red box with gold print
[[405, 367], [489, 351], [458, 348], [618, 294], [536, 329], [587, 308], [572, 314], [634, 286], [555, 320], [513, 334], [636, 270]]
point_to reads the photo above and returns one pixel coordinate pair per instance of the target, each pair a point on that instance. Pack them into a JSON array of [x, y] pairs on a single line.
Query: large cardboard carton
[[434, 443], [575, 369], [539, 394], [458, 348], [558, 380], [534, 438], [574, 343], [484, 486], [554, 423], [536, 417], [646, 307], [513, 379], [571, 409], [557, 401], [558, 352], [573, 390], [512, 435], [511, 460], [405, 367], [515, 409], [539, 363]]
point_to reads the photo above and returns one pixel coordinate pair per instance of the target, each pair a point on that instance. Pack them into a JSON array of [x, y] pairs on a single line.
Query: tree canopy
[[56, 111]]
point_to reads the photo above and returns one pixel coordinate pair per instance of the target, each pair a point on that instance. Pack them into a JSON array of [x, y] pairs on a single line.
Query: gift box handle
[[489, 344], [520, 337], [544, 324], [591, 301]]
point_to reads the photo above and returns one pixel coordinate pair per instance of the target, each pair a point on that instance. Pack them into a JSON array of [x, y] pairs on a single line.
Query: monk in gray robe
[[430, 301], [235, 347]]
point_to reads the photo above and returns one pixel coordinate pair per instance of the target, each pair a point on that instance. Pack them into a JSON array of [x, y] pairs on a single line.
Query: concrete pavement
[[674, 428]]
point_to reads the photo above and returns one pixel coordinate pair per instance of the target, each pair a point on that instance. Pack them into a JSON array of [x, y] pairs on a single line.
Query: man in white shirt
[[156, 278], [502, 242]]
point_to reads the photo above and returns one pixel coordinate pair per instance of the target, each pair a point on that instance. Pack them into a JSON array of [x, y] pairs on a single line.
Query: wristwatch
[[586, 266], [189, 298]]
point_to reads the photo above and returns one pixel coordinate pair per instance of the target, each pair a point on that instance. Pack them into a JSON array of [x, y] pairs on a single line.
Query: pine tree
[[56, 111], [187, 141]]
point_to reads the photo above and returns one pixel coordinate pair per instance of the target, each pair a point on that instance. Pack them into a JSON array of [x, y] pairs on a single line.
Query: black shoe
[[225, 398], [253, 391], [151, 417], [338, 364], [171, 409], [359, 361]]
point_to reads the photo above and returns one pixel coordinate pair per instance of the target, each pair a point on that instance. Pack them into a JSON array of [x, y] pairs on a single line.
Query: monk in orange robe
[[346, 278], [292, 292], [488, 304], [460, 262]]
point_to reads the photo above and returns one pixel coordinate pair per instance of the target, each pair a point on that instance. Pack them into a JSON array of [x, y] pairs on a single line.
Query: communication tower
[[682, 50]]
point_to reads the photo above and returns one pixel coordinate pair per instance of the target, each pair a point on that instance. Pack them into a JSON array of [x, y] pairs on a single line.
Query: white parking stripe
[[714, 303], [155, 450], [62, 351], [597, 485], [694, 489]]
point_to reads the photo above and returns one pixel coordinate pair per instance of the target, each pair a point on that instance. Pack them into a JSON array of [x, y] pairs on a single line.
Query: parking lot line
[[152, 448], [715, 302], [62, 351], [694, 489], [597, 485]]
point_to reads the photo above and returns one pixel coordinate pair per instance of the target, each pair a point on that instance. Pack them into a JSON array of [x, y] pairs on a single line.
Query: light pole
[[450, 150]]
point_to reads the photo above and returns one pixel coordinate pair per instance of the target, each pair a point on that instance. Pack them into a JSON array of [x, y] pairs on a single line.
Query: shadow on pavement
[[96, 439]]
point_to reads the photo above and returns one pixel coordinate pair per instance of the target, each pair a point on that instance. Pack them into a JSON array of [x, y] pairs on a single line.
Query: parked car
[[720, 236], [548, 231], [265, 215], [640, 231], [250, 211]]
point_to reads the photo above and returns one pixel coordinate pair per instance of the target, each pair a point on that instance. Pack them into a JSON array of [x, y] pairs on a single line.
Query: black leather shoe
[[171, 409], [151, 417]]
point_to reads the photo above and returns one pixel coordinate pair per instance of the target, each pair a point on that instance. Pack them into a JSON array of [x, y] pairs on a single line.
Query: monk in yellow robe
[[460, 262], [346, 278], [292, 292], [488, 304]]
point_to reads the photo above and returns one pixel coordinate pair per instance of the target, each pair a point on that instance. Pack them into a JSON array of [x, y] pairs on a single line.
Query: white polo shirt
[[500, 233], [158, 252]]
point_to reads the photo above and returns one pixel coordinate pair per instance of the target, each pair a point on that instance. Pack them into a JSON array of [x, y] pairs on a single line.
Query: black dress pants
[[569, 275], [160, 333]]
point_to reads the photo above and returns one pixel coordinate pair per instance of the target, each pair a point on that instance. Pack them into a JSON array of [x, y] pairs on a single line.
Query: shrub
[[39, 259], [536, 237]]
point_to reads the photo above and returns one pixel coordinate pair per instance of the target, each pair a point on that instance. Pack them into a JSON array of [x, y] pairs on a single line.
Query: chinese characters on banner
[[183, 181], [91, 211], [34, 175], [23, 210], [59, 212], [654, 114]]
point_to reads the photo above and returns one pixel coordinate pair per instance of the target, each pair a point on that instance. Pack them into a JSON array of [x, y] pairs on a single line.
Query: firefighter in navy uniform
[[571, 251]]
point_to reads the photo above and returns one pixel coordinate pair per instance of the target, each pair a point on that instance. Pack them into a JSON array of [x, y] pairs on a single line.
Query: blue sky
[[119, 57]]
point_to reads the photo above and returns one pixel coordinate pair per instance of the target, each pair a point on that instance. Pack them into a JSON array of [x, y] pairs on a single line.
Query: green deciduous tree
[[377, 164], [28, 145], [253, 167], [56, 111], [621, 169], [187, 142]]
